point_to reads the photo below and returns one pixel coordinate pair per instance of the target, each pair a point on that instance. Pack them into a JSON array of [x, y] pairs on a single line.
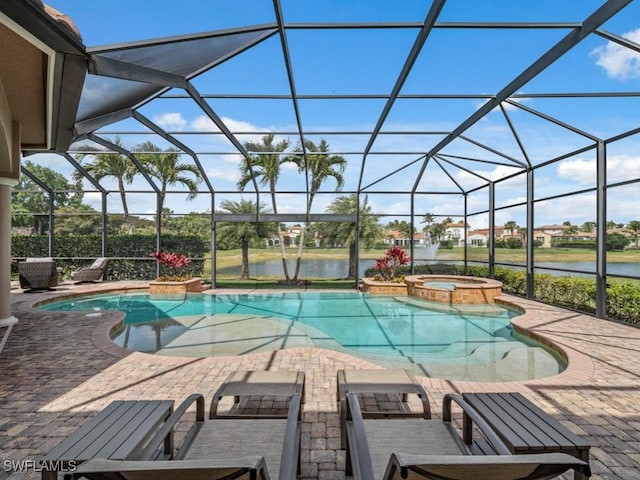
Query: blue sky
[[478, 61]]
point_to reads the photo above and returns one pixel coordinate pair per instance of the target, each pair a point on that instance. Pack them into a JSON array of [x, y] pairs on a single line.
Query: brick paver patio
[[58, 369]]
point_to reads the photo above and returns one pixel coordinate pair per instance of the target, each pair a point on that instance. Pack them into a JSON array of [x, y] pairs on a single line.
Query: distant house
[[457, 232], [397, 238], [478, 238]]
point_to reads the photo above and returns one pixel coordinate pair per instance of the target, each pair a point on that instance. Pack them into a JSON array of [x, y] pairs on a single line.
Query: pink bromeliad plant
[[175, 261], [388, 265]]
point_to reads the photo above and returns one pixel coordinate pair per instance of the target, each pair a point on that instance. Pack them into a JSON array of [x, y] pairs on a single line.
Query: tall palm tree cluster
[[262, 167], [315, 162], [161, 166]]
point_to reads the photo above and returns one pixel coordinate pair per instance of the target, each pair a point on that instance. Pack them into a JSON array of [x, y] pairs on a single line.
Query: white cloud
[[229, 175], [170, 121], [622, 167], [204, 124], [619, 62], [578, 170], [619, 167]]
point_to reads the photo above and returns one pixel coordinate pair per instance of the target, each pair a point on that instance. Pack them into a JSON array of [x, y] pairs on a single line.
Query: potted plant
[[177, 281]]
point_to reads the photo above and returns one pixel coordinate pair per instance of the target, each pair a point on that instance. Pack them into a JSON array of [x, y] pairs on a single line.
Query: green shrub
[[623, 302], [431, 269], [82, 249]]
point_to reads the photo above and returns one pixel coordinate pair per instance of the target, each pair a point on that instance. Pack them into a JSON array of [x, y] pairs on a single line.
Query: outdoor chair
[[93, 272], [38, 273], [250, 467], [422, 448], [7, 323], [222, 446]]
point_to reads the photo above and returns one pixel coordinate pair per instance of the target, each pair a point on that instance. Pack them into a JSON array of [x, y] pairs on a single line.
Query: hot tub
[[453, 288]]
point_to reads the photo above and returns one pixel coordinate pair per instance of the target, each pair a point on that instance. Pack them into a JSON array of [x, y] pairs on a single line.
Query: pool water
[[473, 342]]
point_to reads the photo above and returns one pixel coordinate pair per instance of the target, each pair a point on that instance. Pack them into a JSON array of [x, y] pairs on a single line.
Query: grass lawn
[[231, 258]]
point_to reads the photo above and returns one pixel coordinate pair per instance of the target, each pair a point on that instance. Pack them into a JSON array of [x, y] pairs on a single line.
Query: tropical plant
[[319, 165], [110, 164], [264, 168], [30, 205], [175, 262], [510, 226], [165, 166], [387, 266], [344, 233], [402, 226], [634, 226], [244, 231]]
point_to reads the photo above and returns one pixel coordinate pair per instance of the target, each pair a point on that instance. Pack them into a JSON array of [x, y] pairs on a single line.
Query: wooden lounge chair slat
[[107, 432], [137, 436], [80, 435], [118, 432], [512, 433], [550, 425]]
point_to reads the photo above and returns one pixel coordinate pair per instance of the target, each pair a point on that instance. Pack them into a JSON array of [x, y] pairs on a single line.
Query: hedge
[[576, 293], [82, 249]]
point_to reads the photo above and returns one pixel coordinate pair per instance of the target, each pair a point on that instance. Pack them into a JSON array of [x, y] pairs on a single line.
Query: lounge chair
[[38, 273], [7, 323], [420, 448], [254, 467], [95, 271], [261, 446], [398, 382]]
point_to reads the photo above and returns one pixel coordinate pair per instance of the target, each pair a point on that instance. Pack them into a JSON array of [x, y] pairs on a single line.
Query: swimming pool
[[460, 342]]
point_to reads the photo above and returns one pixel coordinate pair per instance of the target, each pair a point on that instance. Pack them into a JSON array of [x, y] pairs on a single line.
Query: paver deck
[[59, 369]]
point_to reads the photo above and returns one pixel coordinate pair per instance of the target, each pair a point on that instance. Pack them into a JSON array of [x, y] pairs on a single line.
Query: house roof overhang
[[42, 69]]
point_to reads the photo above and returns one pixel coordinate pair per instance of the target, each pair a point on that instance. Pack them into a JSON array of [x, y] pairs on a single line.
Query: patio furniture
[[118, 432], [525, 428], [38, 273], [252, 383], [400, 382], [96, 271], [7, 323], [128, 442], [420, 448], [229, 441], [190, 470]]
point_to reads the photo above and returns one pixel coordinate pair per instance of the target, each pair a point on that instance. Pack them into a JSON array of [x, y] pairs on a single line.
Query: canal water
[[333, 268]]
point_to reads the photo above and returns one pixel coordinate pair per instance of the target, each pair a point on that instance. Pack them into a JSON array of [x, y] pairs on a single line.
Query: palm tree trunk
[[245, 259], [352, 261], [301, 241], [299, 257], [125, 208], [283, 253]]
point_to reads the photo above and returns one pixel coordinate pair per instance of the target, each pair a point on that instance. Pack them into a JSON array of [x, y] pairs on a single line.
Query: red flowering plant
[[387, 266], [175, 262]]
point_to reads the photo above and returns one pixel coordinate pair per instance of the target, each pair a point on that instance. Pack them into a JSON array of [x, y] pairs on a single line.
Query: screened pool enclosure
[[517, 122]]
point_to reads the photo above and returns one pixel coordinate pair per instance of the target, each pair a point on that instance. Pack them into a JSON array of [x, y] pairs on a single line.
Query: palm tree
[[345, 233], [113, 165], [164, 166], [428, 218], [634, 226], [320, 166], [264, 166], [511, 226], [245, 231]]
